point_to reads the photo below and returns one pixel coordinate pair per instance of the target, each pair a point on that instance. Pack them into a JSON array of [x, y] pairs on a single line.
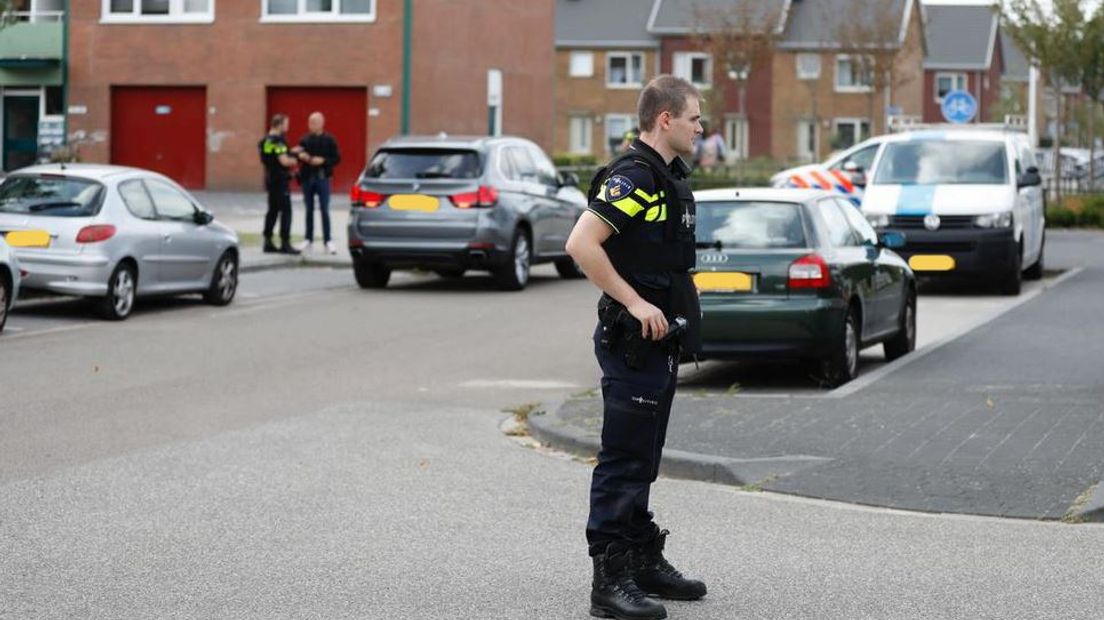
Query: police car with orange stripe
[[839, 173]]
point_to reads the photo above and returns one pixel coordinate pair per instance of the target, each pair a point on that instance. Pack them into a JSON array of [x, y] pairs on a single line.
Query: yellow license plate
[[414, 202], [723, 282], [28, 239], [932, 263]]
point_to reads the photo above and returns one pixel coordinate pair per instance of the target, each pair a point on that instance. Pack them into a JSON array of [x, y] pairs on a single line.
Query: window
[[318, 10], [581, 130], [426, 163], [807, 140], [851, 131], [808, 66], [582, 64], [520, 165], [137, 200], [170, 203], [617, 125], [853, 74], [863, 157], [858, 222], [694, 67], [946, 82], [736, 137], [837, 230], [751, 225], [166, 11], [546, 172], [50, 196], [624, 70], [943, 162]]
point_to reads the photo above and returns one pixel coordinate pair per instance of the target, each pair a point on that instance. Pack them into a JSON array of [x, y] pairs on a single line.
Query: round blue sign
[[959, 106]]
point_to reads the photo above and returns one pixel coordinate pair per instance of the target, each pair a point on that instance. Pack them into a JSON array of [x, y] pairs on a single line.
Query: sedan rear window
[[51, 196], [933, 162], [425, 164], [750, 225]]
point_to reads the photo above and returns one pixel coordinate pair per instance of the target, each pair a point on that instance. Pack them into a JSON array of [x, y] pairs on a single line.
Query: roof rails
[[1012, 122]]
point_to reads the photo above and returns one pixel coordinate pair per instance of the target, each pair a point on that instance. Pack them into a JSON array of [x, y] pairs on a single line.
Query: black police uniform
[[278, 186], [650, 208]]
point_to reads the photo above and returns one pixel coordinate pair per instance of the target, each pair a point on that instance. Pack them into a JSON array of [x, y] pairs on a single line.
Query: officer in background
[[278, 163], [636, 243]]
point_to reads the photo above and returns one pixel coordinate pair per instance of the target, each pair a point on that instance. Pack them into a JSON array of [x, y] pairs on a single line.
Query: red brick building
[[187, 86]]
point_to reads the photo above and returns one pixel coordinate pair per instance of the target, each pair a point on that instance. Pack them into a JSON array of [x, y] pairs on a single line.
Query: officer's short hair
[[665, 93], [277, 121]]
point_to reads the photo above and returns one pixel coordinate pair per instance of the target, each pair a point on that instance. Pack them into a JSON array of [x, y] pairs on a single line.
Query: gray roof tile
[[814, 23], [960, 36], [676, 16], [1016, 66], [604, 23]]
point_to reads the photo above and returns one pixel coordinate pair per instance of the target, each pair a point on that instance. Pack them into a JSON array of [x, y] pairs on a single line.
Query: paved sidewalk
[[1007, 420], [244, 212]]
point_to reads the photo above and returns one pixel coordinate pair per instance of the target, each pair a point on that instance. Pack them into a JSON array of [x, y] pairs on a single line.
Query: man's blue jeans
[[318, 186]]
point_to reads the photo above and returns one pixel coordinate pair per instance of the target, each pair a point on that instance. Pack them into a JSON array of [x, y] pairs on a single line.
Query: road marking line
[[867, 380]]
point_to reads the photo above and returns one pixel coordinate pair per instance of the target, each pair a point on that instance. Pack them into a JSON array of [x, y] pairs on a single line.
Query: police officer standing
[[278, 162], [636, 243]]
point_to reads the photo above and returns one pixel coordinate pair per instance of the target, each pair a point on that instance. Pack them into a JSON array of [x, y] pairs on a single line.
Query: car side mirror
[[891, 240], [203, 218], [856, 173], [1029, 178], [569, 178]]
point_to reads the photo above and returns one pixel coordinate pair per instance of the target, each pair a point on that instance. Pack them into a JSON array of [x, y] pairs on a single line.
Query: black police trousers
[[636, 407], [279, 205]]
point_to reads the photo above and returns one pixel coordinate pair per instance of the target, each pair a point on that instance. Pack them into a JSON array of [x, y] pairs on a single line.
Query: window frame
[[737, 137], [627, 56], [850, 88], [302, 16], [952, 75], [801, 75], [804, 124], [579, 54], [140, 183], [685, 61], [587, 134], [828, 203], [176, 14], [855, 122], [149, 182], [605, 128]]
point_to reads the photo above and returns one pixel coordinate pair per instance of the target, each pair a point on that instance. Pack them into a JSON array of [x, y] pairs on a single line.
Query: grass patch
[[1072, 515], [591, 393]]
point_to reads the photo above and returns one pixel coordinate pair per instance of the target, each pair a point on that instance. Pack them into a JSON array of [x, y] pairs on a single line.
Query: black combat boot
[[614, 593], [269, 248], [655, 575]]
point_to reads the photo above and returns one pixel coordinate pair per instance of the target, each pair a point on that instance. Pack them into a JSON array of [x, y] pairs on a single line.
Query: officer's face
[[683, 130]]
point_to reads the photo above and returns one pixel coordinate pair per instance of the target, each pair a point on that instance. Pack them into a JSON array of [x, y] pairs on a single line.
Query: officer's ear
[[664, 119]]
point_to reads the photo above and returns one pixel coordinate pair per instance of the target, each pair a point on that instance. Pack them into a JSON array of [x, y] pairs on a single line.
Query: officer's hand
[[653, 323]]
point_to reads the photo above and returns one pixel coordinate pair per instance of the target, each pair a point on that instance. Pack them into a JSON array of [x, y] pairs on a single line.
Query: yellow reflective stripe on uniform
[[646, 196], [274, 147], [628, 205], [657, 213], [602, 193]]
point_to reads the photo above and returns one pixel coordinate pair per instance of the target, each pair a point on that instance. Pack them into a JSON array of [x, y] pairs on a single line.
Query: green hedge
[[1090, 214]]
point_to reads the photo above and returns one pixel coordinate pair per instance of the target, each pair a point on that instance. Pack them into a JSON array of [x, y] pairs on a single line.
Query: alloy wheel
[[228, 278], [521, 259], [123, 292]]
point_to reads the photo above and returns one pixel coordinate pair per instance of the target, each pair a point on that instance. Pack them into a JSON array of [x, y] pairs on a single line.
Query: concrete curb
[[273, 262], [1092, 509], [550, 429]]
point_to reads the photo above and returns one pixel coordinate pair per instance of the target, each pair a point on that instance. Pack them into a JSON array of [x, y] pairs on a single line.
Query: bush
[[1061, 217], [569, 159], [1078, 211]]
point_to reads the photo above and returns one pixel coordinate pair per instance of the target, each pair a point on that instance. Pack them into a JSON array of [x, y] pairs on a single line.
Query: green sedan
[[790, 273]]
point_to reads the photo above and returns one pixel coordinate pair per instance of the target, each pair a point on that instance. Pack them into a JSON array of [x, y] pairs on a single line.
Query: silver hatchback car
[[451, 203], [116, 234]]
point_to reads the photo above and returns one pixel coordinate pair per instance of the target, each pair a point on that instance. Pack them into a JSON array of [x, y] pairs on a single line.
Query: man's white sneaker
[[331, 247], [305, 247]]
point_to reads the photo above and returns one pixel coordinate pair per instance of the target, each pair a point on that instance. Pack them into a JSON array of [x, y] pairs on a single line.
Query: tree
[[870, 32], [739, 38], [1091, 63], [1050, 39]]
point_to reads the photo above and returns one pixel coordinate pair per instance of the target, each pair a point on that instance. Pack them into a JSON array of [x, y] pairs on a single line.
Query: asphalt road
[[335, 453]]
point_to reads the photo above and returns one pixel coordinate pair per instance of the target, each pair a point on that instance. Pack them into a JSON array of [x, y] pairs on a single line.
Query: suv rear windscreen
[[425, 164], [52, 196], [750, 225]]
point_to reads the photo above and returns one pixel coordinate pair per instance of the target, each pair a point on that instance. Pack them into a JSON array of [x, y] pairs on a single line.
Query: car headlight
[[994, 220], [878, 220]]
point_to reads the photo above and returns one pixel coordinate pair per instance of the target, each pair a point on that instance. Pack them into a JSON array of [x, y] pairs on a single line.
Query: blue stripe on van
[[915, 199]]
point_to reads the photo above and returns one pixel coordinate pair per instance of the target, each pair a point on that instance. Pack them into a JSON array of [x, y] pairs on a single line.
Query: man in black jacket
[[318, 157]]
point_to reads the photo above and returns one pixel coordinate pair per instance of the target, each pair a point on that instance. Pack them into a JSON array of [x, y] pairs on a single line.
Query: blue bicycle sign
[[959, 106]]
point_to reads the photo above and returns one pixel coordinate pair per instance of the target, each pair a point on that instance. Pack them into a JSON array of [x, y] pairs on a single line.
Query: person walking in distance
[[318, 158], [278, 163], [636, 243]]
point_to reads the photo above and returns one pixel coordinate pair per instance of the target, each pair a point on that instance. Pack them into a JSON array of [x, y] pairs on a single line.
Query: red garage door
[[346, 112], [163, 129]]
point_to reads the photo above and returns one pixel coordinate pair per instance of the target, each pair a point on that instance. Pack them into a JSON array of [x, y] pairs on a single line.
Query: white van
[[969, 202]]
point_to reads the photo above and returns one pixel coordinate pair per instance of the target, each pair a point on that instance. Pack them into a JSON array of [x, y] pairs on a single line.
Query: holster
[[618, 325]]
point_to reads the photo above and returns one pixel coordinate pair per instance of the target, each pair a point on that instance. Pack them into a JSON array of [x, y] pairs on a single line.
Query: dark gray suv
[[451, 204]]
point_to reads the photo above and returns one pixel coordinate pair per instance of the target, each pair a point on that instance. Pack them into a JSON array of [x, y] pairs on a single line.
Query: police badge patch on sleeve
[[618, 186]]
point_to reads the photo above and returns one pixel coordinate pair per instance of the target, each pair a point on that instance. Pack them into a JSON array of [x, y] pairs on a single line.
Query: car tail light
[[485, 196], [95, 234], [365, 199], [809, 271]]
